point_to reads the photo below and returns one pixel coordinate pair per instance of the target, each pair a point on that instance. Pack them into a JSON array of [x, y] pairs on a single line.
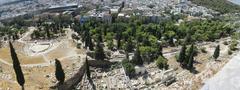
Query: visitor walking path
[[226, 79]]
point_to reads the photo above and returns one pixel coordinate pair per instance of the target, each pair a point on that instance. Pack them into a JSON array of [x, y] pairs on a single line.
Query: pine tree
[[137, 59], [59, 73], [17, 67], [99, 52], [216, 52], [88, 69]]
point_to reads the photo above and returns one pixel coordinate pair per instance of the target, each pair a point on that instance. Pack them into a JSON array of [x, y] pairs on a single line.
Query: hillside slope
[[222, 6]]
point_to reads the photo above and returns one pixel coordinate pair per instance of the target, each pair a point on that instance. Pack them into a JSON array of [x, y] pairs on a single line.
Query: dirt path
[[31, 29]]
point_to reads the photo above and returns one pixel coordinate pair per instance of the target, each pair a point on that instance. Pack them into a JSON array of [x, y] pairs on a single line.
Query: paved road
[[226, 79]]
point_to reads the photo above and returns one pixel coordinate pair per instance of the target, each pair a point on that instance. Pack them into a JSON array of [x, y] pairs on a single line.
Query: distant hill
[[222, 6]]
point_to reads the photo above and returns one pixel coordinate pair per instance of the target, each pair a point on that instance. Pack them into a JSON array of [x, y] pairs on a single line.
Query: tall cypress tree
[[59, 73], [190, 61], [86, 38], [88, 69], [16, 66], [216, 52], [187, 57], [182, 54]]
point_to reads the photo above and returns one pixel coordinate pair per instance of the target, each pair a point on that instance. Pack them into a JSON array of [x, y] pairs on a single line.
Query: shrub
[[79, 45], [233, 45], [176, 56], [230, 52], [225, 43], [203, 50]]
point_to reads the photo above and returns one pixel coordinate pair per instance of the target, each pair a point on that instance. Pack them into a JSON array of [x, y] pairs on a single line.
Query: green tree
[[182, 54], [148, 53], [119, 38], [188, 56], [88, 69], [88, 40], [99, 52], [160, 50], [59, 73], [161, 62], [99, 37], [233, 45], [1, 44], [17, 67], [90, 44], [47, 27], [110, 44], [129, 45], [216, 52], [128, 67], [109, 40], [137, 59], [190, 61]]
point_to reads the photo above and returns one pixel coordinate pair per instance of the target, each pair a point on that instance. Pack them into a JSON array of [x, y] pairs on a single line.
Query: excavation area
[[40, 47]]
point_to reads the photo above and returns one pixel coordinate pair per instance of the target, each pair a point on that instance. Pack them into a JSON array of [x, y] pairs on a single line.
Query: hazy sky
[[236, 1], [5, 1]]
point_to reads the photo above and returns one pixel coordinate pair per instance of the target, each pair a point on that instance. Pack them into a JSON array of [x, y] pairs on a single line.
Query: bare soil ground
[[5, 55]]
